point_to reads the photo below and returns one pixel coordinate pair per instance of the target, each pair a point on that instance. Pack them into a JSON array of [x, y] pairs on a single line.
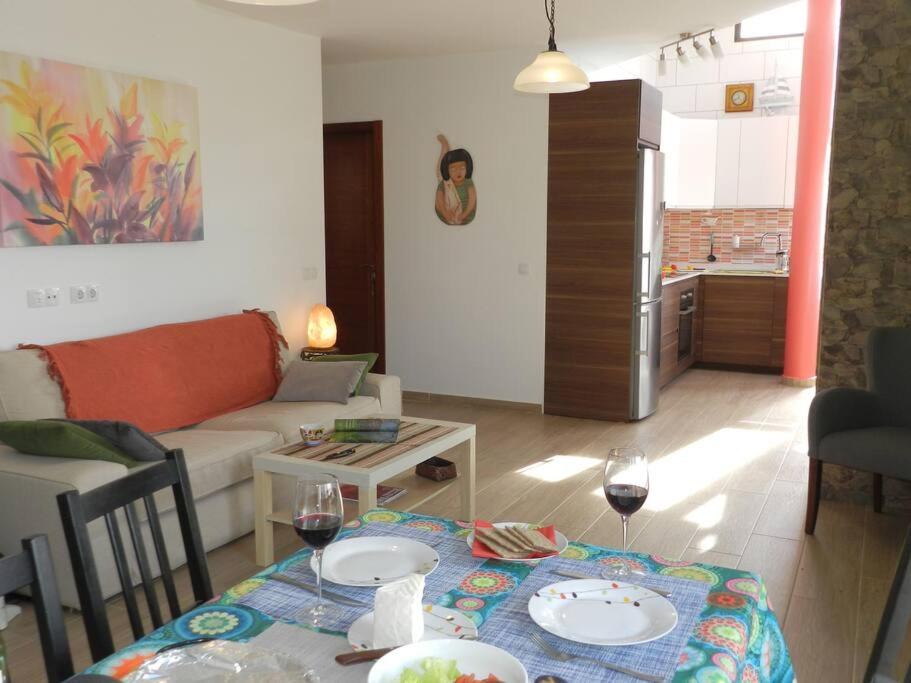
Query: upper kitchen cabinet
[[763, 162], [730, 162]]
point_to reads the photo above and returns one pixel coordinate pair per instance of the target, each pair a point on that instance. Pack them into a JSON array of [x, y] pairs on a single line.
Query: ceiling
[[599, 32]]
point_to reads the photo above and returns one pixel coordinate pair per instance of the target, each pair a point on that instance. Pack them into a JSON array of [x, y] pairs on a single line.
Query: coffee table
[[365, 477]]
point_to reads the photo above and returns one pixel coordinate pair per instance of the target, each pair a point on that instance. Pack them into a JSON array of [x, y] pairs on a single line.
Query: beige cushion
[[83, 475], [286, 418], [333, 382], [216, 460], [27, 392]]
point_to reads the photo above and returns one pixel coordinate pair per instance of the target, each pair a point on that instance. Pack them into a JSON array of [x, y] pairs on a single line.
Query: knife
[[582, 575], [334, 597], [347, 658]]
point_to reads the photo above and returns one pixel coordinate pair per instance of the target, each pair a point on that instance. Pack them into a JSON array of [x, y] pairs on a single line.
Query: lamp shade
[[321, 331], [274, 3], [551, 72]]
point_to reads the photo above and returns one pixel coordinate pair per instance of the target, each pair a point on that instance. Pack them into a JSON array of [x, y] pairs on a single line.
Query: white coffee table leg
[[366, 498], [262, 506], [468, 484]]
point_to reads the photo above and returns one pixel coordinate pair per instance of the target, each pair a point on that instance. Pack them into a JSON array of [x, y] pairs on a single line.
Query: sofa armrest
[[29, 485], [839, 410], [386, 388]]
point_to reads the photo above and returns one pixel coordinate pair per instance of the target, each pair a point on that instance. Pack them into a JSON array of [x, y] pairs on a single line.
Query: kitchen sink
[[741, 271]]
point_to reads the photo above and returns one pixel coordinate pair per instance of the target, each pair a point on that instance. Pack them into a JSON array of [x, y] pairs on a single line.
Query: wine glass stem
[[625, 520], [319, 578]]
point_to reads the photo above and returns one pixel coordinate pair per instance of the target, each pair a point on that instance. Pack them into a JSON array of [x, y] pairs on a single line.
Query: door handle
[[646, 273], [643, 333]]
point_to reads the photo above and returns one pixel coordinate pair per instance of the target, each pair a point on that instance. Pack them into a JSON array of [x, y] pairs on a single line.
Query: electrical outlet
[[52, 296], [94, 292], [35, 298], [78, 294], [523, 269], [311, 273]]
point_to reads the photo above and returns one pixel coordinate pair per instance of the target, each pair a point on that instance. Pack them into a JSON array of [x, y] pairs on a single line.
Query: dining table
[[726, 628]]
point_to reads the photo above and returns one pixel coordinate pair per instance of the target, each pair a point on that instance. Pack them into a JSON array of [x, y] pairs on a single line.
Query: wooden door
[[353, 180]]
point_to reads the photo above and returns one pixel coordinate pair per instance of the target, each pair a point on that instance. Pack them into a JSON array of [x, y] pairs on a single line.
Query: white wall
[[460, 319], [261, 162]]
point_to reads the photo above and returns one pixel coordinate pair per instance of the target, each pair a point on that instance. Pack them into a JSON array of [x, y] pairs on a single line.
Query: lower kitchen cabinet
[[678, 334], [738, 321], [742, 321]]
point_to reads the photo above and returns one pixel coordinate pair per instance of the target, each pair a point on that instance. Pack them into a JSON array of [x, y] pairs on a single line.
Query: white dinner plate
[[439, 622], [603, 612], [375, 560], [559, 540], [471, 657]]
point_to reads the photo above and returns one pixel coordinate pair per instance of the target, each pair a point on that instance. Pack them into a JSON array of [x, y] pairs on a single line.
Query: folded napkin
[[478, 549], [397, 615]]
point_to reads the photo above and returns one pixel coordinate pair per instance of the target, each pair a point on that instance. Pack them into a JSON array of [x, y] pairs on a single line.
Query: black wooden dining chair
[[33, 568], [889, 659], [77, 510]]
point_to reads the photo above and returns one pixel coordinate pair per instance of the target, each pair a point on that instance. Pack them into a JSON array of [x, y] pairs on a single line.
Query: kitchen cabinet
[[742, 321], [731, 162], [763, 161], [592, 207], [674, 358]]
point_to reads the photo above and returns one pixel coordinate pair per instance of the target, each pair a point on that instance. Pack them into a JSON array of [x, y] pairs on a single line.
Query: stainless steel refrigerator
[[646, 326]]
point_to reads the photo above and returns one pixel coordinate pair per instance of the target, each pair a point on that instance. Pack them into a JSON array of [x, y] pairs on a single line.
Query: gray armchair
[[865, 429]]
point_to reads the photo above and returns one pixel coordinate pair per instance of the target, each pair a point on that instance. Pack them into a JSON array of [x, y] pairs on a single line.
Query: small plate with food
[[515, 541], [452, 661]]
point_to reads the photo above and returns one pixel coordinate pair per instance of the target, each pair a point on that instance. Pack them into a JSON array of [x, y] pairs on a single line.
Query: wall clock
[[738, 97]]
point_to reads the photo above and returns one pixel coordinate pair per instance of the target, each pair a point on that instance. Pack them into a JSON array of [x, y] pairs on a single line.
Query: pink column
[[817, 96]]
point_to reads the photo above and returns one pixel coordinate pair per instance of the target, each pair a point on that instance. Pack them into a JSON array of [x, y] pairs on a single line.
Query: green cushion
[[368, 358], [60, 440]]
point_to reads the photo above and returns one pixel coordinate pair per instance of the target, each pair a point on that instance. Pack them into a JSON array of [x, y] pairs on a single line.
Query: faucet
[[781, 255]]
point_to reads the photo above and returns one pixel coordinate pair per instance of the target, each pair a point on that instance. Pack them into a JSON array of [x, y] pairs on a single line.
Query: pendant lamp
[[552, 71], [273, 3]]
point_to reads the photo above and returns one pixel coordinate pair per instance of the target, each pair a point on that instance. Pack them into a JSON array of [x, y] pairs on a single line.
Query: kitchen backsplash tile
[[686, 238]]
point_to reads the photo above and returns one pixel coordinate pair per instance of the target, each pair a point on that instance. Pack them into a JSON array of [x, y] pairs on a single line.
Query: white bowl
[[472, 657]]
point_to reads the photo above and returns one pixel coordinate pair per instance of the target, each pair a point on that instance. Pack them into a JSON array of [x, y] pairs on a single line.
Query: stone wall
[[868, 238]]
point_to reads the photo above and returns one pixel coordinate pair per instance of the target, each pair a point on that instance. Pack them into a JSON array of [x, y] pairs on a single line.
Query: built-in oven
[[685, 334]]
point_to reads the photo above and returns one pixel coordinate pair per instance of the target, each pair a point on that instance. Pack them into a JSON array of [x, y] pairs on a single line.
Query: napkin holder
[[398, 617]]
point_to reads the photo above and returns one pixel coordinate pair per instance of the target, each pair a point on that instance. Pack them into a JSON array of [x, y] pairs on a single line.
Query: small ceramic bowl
[[313, 434]]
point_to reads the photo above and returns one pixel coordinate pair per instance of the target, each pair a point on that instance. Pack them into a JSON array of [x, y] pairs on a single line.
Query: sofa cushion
[[126, 437], [286, 418], [216, 460], [305, 381], [69, 473], [886, 450], [60, 439], [27, 391], [368, 358]]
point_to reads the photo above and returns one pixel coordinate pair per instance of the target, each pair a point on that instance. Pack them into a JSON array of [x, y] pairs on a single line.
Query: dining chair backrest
[[34, 569], [890, 660], [888, 361], [77, 510]]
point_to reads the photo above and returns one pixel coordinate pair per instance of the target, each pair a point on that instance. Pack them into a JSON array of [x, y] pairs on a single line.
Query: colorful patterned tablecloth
[[736, 636]]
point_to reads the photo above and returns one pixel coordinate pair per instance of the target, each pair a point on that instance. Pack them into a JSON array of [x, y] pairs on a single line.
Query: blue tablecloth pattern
[[735, 637]]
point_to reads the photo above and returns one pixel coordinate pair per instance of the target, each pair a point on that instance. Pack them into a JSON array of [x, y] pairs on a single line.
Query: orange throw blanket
[[171, 376]]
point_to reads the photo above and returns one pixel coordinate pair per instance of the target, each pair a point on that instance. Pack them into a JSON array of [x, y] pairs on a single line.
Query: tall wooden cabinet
[[591, 223]]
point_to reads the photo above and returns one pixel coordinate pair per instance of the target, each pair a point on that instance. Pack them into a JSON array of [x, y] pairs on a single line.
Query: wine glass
[[626, 488], [318, 517]]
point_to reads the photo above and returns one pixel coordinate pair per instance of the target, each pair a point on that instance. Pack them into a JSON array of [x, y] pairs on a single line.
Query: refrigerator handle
[[643, 333], [644, 289]]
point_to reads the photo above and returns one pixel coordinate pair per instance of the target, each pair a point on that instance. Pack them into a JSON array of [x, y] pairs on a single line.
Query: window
[[783, 22]]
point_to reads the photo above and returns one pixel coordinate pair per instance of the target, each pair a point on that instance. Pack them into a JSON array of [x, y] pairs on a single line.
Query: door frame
[[375, 128]]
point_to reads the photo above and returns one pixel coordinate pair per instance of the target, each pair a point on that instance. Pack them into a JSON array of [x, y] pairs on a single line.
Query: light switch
[[35, 298], [523, 269], [311, 273]]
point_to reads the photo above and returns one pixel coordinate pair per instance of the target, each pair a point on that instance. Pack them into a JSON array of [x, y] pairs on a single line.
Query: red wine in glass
[[318, 516], [318, 530], [625, 498], [626, 488]]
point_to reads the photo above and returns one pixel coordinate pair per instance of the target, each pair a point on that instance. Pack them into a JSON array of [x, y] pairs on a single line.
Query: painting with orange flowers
[[94, 157]]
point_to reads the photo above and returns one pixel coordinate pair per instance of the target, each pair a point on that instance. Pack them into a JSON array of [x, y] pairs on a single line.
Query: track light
[[681, 54], [715, 46], [698, 47], [662, 64]]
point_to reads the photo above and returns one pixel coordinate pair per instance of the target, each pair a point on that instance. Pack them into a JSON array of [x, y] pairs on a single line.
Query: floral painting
[[94, 157]]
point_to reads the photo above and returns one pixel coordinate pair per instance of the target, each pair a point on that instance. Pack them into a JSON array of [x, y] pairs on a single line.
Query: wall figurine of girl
[[456, 197]]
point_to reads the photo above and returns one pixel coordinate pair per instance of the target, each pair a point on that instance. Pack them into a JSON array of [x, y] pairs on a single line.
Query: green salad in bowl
[[439, 670]]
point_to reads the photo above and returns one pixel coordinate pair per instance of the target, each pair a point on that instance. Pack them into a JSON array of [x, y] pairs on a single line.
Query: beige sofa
[[219, 453]]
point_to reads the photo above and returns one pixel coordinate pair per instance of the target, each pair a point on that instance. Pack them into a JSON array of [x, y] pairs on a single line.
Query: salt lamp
[[321, 331]]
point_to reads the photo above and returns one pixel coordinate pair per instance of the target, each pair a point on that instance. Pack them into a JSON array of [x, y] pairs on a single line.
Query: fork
[[560, 656]]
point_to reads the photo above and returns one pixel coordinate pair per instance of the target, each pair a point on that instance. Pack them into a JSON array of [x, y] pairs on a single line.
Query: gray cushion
[[886, 450], [125, 436], [333, 382]]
